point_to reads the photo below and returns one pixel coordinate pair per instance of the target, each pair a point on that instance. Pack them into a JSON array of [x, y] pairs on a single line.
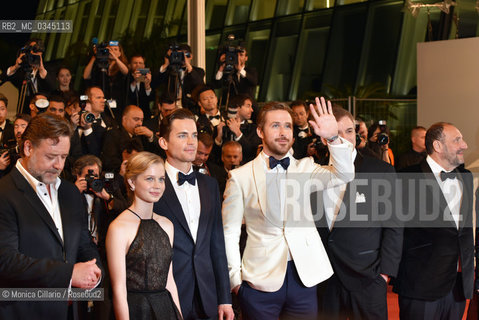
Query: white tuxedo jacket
[[266, 254]]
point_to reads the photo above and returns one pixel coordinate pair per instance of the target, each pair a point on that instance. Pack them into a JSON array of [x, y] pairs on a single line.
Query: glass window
[[257, 43], [345, 2], [286, 7], [262, 9], [211, 43], [380, 44], [215, 13], [238, 11], [344, 48], [319, 4], [281, 66]]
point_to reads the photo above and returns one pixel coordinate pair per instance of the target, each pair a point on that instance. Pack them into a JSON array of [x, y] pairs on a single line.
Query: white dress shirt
[[189, 197], [50, 201], [451, 189]]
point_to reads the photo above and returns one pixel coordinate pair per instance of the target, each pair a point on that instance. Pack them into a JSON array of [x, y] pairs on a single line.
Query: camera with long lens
[[97, 184], [383, 137], [88, 117], [30, 59], [230, 50], [177, 56], [102, 53]]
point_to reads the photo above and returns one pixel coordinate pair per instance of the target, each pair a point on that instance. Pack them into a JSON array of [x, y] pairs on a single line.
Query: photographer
[[108, 70], [235, 76], [9, 157], [240, 128], [140, 92], [378, 142], [30, 72], [180, 76]]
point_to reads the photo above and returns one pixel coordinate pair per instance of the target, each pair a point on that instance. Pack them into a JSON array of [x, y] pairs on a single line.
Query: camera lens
[[89, 118]]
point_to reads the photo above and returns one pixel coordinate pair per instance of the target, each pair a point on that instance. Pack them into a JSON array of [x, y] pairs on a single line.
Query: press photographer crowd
[[167, 190]]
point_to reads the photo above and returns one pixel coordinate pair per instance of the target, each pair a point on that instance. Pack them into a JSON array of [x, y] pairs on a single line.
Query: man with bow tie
[[192, 202], [301, 132], [436, 273], [284, 258]]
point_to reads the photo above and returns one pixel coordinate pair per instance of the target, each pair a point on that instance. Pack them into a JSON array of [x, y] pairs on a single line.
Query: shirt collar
[[436, 168], [3, 124], [32, 181]]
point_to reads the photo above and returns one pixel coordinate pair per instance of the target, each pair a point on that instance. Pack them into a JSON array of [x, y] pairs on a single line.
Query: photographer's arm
[[12, 69], [42, 72], [89, 68]]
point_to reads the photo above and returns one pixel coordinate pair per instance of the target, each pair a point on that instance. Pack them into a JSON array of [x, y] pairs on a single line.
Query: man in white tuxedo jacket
[[284, 258]]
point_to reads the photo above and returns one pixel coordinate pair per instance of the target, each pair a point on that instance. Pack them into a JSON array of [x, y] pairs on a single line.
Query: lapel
[[171, 200], [66, 210], [206, 203], [259, 177], [36, 204], [466, 196]]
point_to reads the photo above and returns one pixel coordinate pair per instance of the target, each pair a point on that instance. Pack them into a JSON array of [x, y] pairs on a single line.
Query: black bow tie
[[447, 175], [213, 117], [190, 178], [283, 162]]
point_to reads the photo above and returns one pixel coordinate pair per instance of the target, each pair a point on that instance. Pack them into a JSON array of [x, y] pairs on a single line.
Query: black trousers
[[369, 303], [449, 307]]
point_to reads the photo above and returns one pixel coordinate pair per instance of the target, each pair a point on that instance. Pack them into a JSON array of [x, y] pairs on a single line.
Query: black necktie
[[283, 162], [213, 117], [447, 175], [190, 178]]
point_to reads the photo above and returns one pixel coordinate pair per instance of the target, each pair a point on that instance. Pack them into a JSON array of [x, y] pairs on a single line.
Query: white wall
[[448, 88]]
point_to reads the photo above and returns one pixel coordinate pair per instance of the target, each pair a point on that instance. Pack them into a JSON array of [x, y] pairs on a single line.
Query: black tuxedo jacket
[[249, 141], [32, 254], [93, 143], [203, 262], [8, 136], [114, 142], [300, 145], [433, 245], [360, 251]]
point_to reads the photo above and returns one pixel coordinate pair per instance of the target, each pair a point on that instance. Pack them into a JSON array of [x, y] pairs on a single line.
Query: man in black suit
[[241, 80], [241, 128], [7, 136], [436, 274], [116, 139], [140, 92], [45, 241], [191, 201], [203, 165], [364, 254], [417, 153], [92, 134], [181, 80], [302, 133]]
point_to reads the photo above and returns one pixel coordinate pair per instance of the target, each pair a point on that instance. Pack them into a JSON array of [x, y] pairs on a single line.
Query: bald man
[[417, 153], [131, 129]]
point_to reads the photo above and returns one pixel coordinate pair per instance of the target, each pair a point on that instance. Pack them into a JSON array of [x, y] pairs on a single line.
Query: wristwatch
[[332, 139], [111, 197]]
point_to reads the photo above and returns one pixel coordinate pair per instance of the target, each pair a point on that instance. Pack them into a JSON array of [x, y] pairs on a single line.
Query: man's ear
[[27, 148], [259, 131], [163, 143], [437, 146]]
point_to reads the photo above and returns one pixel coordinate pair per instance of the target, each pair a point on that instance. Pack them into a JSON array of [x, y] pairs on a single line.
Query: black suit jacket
[[8, 136], [433, 246], [140, 98], [32, 254], [93, 143], [245, 85], [360, 251], [202, 263]]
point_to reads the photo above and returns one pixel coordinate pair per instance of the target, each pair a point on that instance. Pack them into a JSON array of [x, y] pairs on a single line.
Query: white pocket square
[[360, 197]]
